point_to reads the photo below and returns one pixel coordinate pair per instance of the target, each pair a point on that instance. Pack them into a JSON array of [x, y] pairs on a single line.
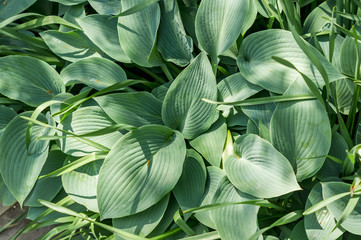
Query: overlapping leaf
[[97, 73], [15, 72], [141, 168], [259, 169], [183, 108]]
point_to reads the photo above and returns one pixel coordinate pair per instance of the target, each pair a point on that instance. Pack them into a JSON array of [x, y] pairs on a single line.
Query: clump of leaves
[[182, 119]]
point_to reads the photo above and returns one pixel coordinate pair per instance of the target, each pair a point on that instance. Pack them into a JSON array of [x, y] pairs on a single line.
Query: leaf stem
[[167, 72], [150, 73]]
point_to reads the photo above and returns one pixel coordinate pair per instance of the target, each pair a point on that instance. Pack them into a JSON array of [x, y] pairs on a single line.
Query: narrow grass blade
[[182, 224]]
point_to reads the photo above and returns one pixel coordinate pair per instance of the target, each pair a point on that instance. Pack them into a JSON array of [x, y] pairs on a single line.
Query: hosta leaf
[[301, 132], [236, 88], [210, 143], [78, 123], [257, 66], [71, 46], [137, 33], [315, 21], [15, 72], [6, 198], [81, 184], [160, 91], [190, 186], [320, 224], [144, 222], [173, 43], [7, 114], [68, 2], [214, 176], [183, 108], [47, 189], [106, 6], [235, 221], [141, 168], [9, 8], [262, 112], [259, 169], [338, 149], [348, 56], [298, 232], [103, 32], [135, 109], [72, 14], [353, 222], [97, 73], [19, 166], [219, 23], [188, 15]]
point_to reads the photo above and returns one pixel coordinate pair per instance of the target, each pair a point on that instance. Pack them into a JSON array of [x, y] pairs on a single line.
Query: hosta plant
[[182, 119]]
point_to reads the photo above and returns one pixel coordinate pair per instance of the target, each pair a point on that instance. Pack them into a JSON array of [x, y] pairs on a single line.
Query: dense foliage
[[170, 119]]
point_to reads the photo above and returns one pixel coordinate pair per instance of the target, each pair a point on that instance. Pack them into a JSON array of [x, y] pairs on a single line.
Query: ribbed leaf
[[6, 198], [353, 222], [72, 14], [257, 66], [137, 33], [259, 113], [141, 168], [183, 108], [7, 114], [320, 224], [210, 143], [71, 46], [348, 55], [298, 232], [15, 72], [106, 6], [236, 221], [10, 8], [103, 32], [301, 132], [78, 123], [190, 186], [219, 23], [68, 2], [47, 189], [173, 43], [236, 88], [135, 109], [315, 21], [81, 184], [144, 222], [97, 73], [214, 176], [19, 166], [259, 169]]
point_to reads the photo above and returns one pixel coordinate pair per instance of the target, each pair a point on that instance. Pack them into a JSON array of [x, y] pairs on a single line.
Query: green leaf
[[219, 23], [103, 32], [47, 189], [245, 216], [332, 189], [15, 72], [81, 184], [141, 168], [214, 176], [78, 123], [236, 88], [301, 132], [19, 166], [9, 8], [71, 46], [43, 21], [315, 21], [144, 222], [136, 8], [137, 33], [106, 7], [173, 43], [257, 66], [210, 143], [259, 169], [97, 73], [68, 2], [320, 224], [183, 108], [6, 197], [191, 184], [348, 55], [260, 113], [298, 232], [7, 114], [135, 109]]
